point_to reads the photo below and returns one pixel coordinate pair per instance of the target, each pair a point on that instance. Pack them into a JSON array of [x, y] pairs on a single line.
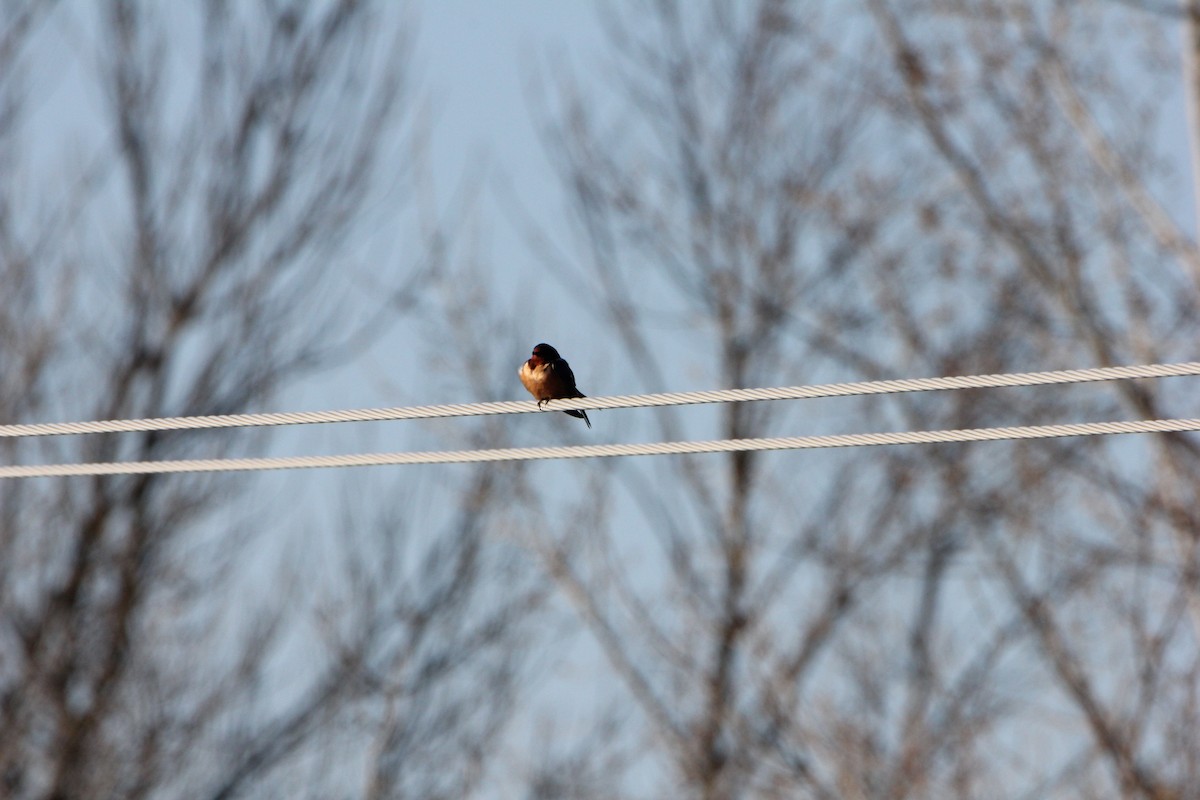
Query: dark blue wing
[[563, 376]]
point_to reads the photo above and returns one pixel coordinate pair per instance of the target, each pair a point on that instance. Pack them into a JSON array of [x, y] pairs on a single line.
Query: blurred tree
[[767, 193], [190, 251], [779, 192]]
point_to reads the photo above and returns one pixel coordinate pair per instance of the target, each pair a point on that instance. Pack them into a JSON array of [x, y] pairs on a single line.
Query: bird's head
[[544, 354]]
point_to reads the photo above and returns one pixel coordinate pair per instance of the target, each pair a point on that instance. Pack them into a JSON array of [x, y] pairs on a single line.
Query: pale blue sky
[[473, 61]]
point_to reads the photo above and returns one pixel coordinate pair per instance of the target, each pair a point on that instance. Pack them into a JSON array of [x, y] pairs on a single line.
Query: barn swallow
[[548, 377]]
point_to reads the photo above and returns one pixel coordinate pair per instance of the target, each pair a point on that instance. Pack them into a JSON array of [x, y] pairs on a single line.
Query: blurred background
[[218, 207]]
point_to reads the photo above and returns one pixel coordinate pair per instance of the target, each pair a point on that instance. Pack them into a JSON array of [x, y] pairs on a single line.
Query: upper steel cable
[[617, 401]]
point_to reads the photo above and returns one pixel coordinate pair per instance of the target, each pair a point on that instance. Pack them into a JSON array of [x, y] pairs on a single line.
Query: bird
[[548, 377]]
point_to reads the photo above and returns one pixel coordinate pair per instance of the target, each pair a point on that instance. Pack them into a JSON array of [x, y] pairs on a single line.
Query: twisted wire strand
[[597, 403], [605, 450]]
